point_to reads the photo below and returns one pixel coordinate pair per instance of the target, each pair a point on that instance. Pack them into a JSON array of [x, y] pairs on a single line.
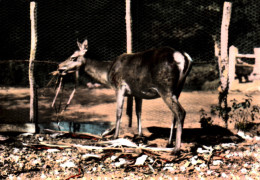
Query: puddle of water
[[86, 127]]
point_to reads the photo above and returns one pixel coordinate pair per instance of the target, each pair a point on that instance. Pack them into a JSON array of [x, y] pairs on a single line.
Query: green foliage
[[202, 77], [243, 113], [205, 120]]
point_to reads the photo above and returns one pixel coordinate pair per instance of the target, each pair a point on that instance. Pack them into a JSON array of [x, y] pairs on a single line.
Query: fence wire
[[193, 26]]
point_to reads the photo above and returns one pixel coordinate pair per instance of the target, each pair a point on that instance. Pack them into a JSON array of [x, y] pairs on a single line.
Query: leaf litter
[[65, 155]]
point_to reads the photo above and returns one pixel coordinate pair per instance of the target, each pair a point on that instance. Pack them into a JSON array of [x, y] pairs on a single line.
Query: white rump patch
[[179, 58]]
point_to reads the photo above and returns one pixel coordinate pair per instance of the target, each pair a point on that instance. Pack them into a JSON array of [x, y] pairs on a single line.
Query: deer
[[149, 74]]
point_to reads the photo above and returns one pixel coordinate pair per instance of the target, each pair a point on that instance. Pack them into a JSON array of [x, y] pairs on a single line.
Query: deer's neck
[[98, 70]]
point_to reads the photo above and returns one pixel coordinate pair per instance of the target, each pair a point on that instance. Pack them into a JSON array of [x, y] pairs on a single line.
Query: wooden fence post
[[256, 72], [233, 52], [223, 61], [128, 21], [33, 89], [128, 27]]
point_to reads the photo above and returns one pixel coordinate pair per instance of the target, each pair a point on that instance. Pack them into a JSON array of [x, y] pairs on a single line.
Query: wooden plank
[[245, 56]]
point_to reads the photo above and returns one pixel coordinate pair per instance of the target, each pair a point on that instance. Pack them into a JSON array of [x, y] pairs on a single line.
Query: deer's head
[[74, 62]]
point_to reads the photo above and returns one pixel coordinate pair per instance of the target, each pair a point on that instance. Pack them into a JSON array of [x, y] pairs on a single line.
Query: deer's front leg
[[120, 103]]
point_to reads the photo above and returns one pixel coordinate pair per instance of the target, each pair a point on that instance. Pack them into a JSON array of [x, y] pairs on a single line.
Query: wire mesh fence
[[193, 26], [177, 24]]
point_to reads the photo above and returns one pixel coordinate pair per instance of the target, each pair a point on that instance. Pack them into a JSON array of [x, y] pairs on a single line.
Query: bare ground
[[99, 105]]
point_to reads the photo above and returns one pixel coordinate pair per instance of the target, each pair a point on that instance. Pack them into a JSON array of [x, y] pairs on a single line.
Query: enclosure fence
[[193, 26]]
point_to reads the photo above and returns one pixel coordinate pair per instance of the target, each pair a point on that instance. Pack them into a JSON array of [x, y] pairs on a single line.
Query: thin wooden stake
[[33, 90], [128, 27]]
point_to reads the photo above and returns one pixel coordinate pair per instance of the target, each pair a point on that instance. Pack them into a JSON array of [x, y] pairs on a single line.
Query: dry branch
[[63, 133], [57, 93], [71, 96]]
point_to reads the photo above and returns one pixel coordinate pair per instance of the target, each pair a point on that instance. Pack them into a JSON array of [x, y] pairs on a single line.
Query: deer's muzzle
[[62, 71]]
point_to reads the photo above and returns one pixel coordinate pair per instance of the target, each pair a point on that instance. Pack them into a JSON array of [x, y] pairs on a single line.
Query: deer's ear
[[79, 44], [84, 45]]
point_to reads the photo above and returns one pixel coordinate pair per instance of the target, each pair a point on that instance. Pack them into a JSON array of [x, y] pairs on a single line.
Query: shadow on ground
[[211, 136], [14, 108]]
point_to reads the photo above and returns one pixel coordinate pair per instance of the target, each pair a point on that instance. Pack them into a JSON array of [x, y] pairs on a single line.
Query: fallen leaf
[[140, 161]]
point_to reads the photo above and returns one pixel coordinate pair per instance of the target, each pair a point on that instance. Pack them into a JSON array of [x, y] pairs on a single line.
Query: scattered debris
[[65, 155], [140, 160], [244, 136], [119, 142], [3, 138]]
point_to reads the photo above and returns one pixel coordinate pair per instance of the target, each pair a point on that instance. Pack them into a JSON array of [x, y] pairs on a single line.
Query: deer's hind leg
[[138, 109], [178, 118], [119, 109], [129, 110]]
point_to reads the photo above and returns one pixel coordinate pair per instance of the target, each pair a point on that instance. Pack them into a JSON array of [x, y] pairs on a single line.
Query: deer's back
[[146, 71]]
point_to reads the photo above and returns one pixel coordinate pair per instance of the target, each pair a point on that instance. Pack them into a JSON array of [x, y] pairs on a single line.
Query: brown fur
[[144, 75]]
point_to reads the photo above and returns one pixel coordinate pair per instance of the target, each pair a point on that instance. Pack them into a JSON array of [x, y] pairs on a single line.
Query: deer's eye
[[73, 59]]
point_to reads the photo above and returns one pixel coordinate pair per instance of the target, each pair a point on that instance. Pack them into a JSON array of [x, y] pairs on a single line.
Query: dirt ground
[[98, 105]]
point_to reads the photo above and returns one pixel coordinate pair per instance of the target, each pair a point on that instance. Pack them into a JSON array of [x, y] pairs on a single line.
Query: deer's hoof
[[115, 137], [176, 152], [108, 132]]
